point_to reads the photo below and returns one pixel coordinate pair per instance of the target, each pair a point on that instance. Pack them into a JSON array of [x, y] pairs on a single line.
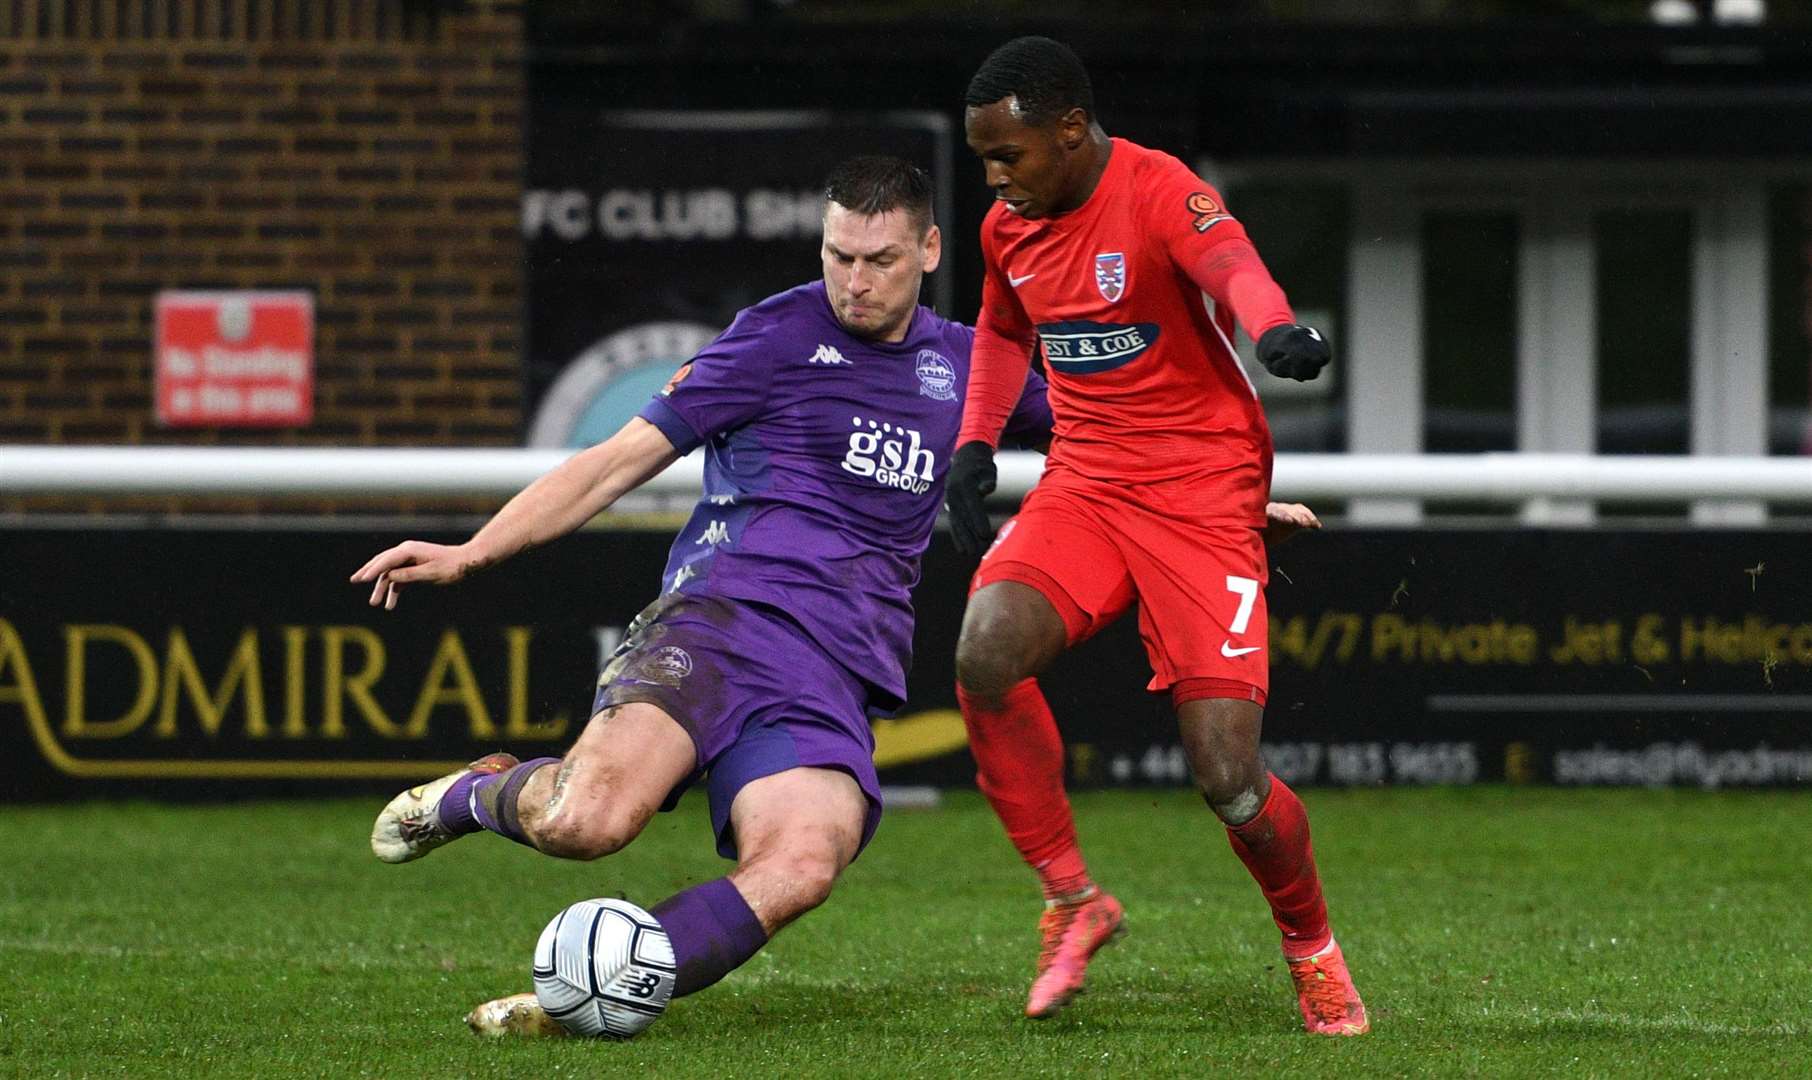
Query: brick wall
[[369, 151]]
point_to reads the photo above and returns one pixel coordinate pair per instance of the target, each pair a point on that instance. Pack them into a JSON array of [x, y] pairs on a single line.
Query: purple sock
[[713, 933], [455, 809], [487, 801]]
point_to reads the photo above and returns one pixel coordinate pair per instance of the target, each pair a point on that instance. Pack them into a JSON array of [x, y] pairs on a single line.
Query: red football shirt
[[1132, 297]]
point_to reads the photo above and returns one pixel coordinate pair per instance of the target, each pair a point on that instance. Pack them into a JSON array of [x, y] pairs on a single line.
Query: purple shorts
[[757, 695]]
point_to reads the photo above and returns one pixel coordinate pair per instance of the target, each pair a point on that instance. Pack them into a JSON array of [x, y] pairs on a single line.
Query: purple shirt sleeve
[[725, 386], [1030, 424]]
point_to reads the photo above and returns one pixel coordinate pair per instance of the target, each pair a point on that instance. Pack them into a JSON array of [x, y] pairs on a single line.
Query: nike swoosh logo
[[1016, 282], [1230, 652]]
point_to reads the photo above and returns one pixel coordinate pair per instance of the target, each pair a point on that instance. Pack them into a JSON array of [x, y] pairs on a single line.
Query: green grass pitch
[[1494, 932]]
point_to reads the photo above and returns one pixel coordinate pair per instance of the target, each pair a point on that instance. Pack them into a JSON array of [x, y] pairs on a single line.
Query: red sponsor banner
[[235, 359]]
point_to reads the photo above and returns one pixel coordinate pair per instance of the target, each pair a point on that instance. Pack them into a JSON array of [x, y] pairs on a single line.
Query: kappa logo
[[1110, 275], [828, 354], [937, 376]]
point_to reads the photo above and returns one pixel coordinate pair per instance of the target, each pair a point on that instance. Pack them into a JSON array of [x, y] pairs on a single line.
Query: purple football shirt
[[825, 457]]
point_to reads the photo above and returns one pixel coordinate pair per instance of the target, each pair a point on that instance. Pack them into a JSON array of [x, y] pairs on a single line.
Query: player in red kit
[[1129, 272]]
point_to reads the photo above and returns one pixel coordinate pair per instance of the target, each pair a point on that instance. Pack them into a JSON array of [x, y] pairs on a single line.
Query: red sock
[[1019, 767], [1275, 848]]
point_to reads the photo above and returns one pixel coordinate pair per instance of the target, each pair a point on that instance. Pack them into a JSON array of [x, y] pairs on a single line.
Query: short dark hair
[[1044, 75], [875, 183]]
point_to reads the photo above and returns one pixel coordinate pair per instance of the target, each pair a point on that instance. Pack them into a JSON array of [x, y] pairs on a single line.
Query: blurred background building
[[1562, 226]]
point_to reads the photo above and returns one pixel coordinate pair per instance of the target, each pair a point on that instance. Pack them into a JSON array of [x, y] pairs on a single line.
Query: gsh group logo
[[890, 455]]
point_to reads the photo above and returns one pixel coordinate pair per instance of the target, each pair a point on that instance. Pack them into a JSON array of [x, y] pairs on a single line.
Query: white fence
[[1378, 488]]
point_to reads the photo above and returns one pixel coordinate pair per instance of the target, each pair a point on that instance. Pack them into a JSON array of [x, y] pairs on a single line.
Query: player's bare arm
[[580, 488]]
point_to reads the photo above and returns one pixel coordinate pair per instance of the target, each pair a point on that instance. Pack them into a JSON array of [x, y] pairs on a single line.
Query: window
[[1301, 232], [1469, 331], [1789, 320], [1644, 330]]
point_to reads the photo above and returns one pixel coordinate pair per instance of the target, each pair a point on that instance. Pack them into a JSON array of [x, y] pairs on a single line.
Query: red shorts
[[1092, 552]]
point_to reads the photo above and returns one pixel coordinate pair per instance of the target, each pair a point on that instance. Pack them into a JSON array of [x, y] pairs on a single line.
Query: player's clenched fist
[[971, 480], [1293, 351], [412, 561]]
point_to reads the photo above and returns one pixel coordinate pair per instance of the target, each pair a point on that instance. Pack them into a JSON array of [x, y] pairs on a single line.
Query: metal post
[[1384, 340], [1557, 345], [1730, 338]]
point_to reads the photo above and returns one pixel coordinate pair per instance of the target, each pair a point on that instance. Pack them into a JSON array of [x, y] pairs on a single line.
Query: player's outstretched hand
[[412, 561], [1284, 520], [971, 480], [1294, 351]]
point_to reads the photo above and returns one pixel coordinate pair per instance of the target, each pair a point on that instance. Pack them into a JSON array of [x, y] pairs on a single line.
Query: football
[[604, 968]]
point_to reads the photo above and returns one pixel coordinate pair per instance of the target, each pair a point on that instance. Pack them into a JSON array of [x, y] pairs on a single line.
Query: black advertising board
[[200, 663], [647, 231]]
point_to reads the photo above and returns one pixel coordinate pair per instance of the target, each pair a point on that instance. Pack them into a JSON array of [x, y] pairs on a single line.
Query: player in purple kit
[[828, 413]]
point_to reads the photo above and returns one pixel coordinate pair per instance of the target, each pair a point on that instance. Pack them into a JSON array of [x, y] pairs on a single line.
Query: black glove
[[1293, 351], [970, 481]]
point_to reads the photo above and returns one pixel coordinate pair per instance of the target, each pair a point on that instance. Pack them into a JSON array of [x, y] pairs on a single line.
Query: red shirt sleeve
[[1212, 248], [1004, 339]]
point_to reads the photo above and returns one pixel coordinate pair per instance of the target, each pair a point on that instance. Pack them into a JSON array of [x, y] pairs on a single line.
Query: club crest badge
[[1110, 275], [937, 376], [665, 666]]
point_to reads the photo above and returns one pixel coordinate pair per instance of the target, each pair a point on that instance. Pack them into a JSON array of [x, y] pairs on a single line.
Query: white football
[[604, 967]]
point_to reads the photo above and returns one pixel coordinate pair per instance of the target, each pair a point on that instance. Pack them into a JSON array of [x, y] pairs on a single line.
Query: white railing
[[1496, 478]]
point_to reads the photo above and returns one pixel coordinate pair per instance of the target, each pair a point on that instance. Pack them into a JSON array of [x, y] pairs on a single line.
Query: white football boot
[[409, 827]]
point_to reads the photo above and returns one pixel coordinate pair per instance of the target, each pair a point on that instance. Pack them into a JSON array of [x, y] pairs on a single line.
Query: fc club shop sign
[[645, 232], [235, 359]]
